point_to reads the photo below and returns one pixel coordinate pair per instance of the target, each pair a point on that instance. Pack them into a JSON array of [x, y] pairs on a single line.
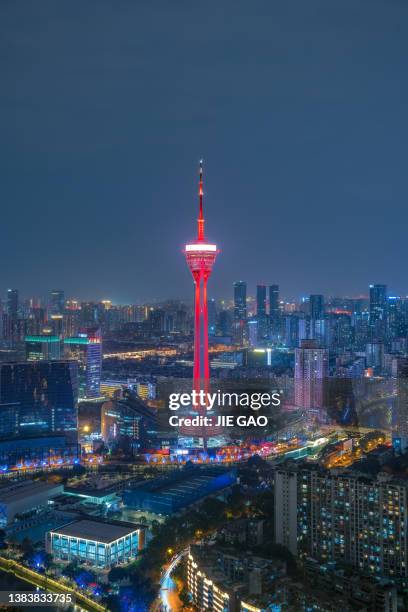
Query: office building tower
[[56, 322], [128, 420], [212, 317], [42, 396], [378, 312], [12, 313], [274, 311], [181, 323], [261, 316], [12, 303], [240, 313], [57, 302], [361, 330], [86, 349], [346, 517], [44, 346], [36, 320], [317, 322], [311, 372], [225, 323], [316, 305], [397, 322], [375, 356], [253, 333], [338, 332], [156, 321]]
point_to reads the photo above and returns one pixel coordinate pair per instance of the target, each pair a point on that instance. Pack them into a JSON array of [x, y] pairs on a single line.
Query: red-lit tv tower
[[200, 256]]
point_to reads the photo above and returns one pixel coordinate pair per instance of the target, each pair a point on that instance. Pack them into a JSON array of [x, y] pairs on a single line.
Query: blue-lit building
[[38, 414], [97, 543], [86, 349], [41, 397], [173, 494], [37, 452]]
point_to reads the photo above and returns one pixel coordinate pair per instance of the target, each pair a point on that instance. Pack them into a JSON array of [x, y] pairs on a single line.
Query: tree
[[117, 574]]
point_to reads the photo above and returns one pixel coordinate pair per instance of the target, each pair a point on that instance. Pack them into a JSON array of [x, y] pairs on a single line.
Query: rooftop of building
[[183, 482], [99, 531], [100, 486], [12, 493]]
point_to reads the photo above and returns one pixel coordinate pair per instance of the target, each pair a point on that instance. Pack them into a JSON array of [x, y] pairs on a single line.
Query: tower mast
[[200, 221]]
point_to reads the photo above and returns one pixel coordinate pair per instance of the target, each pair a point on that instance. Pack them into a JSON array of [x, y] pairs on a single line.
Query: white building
[[24, 497]]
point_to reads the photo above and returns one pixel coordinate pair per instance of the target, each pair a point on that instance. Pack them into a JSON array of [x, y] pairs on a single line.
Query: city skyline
[[303, 142], [170, 445]]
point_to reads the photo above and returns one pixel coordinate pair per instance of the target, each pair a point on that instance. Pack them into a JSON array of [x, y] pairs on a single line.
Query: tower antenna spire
[[200, 235]]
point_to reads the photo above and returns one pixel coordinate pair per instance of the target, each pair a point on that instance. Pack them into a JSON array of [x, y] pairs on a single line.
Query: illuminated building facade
[[222, 580], [42, 347], [343, 517], [86, 348], [96, 543], [206, 593], [311, 372], [128, 419]]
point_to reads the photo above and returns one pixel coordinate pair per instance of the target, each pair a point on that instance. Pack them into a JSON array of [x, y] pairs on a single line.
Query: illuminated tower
[[200, 256]]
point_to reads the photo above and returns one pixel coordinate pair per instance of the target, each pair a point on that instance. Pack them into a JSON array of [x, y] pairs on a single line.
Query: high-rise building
[[12, 331], [375, 356], [86, 348], [311, 371], [225, 323], [378, 311], [212, 317], [12, 303], [240, 312], [316, 304], [274, 311], [156, 321], [397, 323], [345, 517], [261, 316], [44, 346], [42, 396], [128, 420], [57, 302], [317, 322]]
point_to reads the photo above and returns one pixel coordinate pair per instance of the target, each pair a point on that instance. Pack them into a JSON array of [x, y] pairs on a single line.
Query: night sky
[[298, 107]]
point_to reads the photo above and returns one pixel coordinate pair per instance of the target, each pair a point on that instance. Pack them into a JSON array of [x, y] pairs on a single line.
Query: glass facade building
[[99, 544], [39, 398], [86, 349], [42, 347]]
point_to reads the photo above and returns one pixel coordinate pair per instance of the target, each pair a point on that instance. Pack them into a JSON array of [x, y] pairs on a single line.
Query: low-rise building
[[178, 491], [24, 497], [99, 543]]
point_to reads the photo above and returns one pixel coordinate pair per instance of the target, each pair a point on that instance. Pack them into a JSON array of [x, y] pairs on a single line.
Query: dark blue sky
[[299, 109]]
